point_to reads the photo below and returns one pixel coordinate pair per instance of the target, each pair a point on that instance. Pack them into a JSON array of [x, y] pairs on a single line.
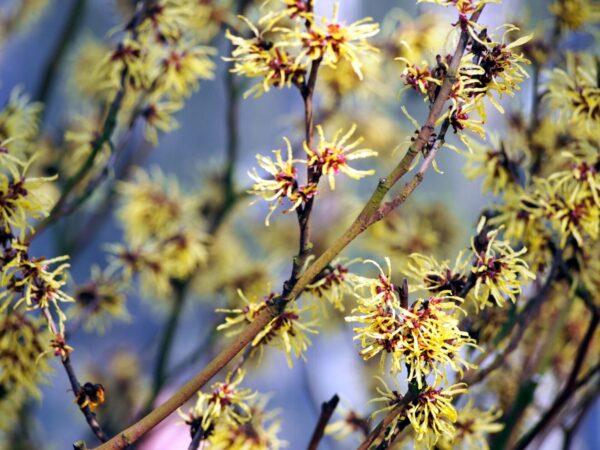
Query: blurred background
[[191, 152]]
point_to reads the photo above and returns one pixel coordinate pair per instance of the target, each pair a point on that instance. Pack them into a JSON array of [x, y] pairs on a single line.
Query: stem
[[400, 408], [89, 415], [166, 344], [196, 439], [361, 223], [327, 410], [56, 59], [570, 388]]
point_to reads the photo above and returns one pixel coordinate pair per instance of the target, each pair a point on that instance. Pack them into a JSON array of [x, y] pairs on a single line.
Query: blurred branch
[[570, 388], [327, 410], [105, 134], [55, 61], [277, 305]]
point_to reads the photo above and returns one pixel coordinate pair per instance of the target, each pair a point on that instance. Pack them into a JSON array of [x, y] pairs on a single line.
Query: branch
[[89, 415], [55, 60], [399, 409], [327, 410], [360, 224], [571, 387], [105, 134]]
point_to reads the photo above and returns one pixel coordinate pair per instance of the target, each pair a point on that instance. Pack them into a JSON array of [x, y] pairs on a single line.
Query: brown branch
[[570, 388], [399, 409], [89, 415], [360, 224], [475, 376], [327, 410]]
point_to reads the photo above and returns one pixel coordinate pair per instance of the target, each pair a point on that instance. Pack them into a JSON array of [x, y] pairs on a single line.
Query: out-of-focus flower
[[182, 67], [259, 433], [575, 94], [158, 116], [472, 428], [332, 284], [101, 300], [575, 14]]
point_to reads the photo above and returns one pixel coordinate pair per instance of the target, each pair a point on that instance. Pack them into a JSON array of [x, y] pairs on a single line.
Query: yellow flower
[[24, 353], [575, 14], [282, 183], [21, 199], [259, 433], [498, 162], [159, 116], [472, 428], [464, 7], [433, 415], [19, 123], [332, 156], [423, 336], [575, 94], [287, 332], [330, 40], [32, 283], [499, 269], [152, 205], [181, 67], [493, 67], [258, 57], [437, 276], [332, 284], [101, 299], [227, 402]]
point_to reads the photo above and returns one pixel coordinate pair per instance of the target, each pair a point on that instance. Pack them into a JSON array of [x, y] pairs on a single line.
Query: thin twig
[[327, 410], [570, 388], [390, 417], [55, 61], [89, 415]]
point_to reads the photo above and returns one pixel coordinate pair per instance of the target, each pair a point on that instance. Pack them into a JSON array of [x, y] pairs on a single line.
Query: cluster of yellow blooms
[[286, 42], [27, 283], [230, 417], [330, 157], [288, 331]]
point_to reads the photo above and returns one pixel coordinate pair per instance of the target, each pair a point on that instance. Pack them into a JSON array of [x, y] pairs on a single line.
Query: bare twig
[[89, 415], [327, 410]]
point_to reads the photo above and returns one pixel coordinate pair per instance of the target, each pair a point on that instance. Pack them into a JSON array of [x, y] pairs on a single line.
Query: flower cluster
[[499, 270], [287, 331], [575, 94], [431, 414], [232, 417], [163, 228], [423, 336], [289, 39], [330, 157]]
